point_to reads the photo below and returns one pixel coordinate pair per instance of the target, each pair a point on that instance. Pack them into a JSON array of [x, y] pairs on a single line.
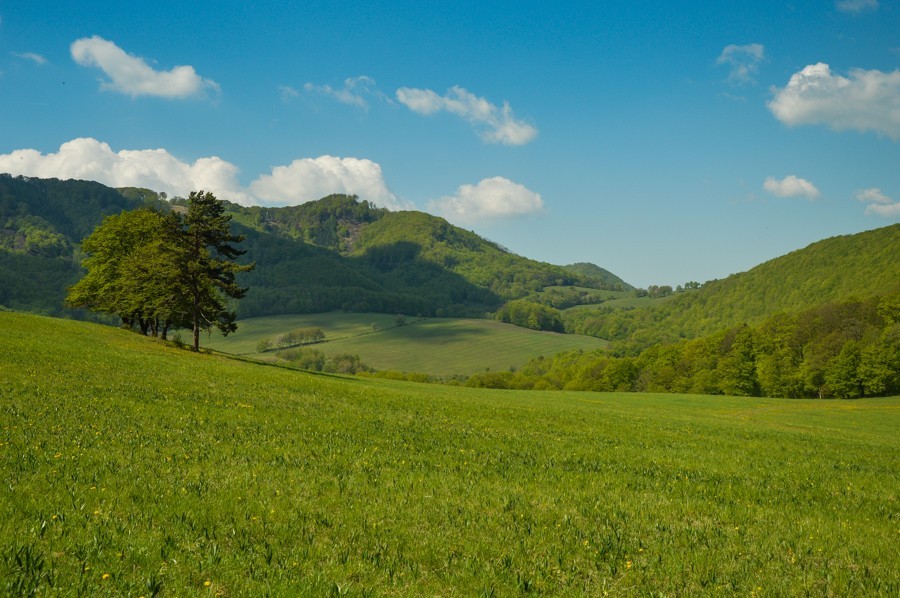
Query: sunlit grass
[[131, 468], [440, 346]]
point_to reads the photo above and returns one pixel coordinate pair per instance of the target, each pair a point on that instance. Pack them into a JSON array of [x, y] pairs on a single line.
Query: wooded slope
[[831, 270], [334, 253]]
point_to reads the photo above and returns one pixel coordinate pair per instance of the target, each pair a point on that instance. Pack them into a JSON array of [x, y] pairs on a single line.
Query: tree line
[[293, 338], [164, 270], [531, 315], [840, 350], [316, 361]]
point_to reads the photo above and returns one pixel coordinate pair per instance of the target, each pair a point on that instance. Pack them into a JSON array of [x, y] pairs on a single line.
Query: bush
[[294, 338]]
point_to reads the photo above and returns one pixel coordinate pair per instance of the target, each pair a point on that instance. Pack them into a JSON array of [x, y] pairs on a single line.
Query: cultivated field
[[133, 468], [441, 346]]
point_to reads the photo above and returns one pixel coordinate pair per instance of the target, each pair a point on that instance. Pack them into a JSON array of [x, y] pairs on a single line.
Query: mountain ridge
[[333, 253], [339, 253]]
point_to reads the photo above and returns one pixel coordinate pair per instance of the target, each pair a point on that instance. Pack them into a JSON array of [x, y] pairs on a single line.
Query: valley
[[449, 299], [821, 321], [438, 347], [134, 466]]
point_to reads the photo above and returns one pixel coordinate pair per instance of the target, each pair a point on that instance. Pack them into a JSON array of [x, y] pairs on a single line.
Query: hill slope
[[433, 264], [601, 276], [42, 222], [439, 346], [335, 253], [828, 271], [220, 477]]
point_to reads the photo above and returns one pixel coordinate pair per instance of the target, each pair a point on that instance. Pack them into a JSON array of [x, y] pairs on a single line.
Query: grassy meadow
[[440, 346], [130, 467]]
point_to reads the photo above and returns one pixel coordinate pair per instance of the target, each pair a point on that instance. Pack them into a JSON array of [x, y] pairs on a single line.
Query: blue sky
[[663, 141]]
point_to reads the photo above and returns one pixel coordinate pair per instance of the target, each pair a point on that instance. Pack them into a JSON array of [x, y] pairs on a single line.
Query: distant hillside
[[402, 236], [46, 217], [599, 276], [832, 270], [334, 253], [397, 244], [42, 222], [342, 253], [333, 222]]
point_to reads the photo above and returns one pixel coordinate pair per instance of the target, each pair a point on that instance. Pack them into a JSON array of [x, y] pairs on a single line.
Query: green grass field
[[440, 346], [133, 468], [335, 325]]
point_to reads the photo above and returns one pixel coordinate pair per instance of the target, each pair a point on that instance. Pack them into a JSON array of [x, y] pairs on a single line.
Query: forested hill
[[476, 259], [602, 277], [333, 222], [341, 253], [42, 222], [395, 240], [49, 217], [833, 270], [334, 253]]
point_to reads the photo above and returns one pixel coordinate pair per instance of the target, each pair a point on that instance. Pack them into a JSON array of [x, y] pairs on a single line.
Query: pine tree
[[207, 264]]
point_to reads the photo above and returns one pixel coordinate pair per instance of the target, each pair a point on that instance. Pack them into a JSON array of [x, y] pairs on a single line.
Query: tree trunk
[[196, 315]]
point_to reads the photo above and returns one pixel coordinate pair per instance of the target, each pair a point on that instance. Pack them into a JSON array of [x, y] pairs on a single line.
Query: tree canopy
[[530, 315], [161, 271], [828, 271], [843, 350]]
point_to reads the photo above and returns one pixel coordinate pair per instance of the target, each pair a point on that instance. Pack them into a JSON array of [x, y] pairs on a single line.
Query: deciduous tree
[[129, 270], [160, 271]]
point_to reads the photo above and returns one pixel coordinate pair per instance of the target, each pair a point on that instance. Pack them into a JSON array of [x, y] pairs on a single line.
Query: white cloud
[[287, 93], [743, 61], [307, 179], [35, 58], [879, 203], [133, 76], [873, 194], [89, 159], [856, 5], [301, 181], [353, 92], [499, 123], [866, 101], [491, 199], [791, 186], [891, 210]]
